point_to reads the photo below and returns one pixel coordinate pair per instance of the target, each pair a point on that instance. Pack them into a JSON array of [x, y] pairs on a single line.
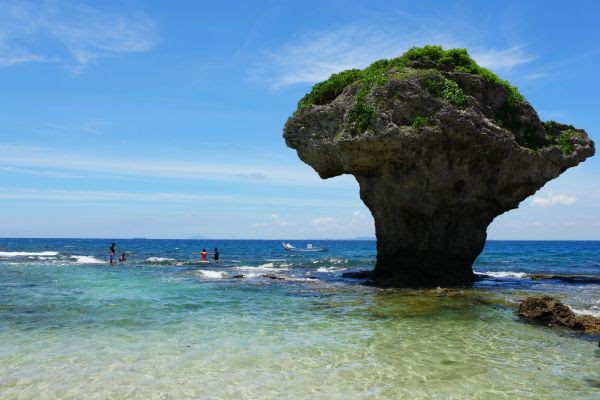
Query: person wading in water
[[111, 253]]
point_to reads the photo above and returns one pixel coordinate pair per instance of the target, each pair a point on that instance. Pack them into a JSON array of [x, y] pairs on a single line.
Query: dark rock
[[237, 276], [583, 279], [550, 311], [433, 188], [357, 274], [590, 323], [275, 277]]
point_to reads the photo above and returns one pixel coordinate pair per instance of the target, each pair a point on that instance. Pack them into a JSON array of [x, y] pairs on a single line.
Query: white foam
[[268, 267], [594, 311], [212, 274], [27, 253], [297, 279], [87, 260], [330, 269], [504, 274], [159, 259]]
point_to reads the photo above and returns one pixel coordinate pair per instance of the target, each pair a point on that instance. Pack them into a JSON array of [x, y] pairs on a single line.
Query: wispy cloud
[[323, 221], [314, 57], [20, 158], [275, 221], [37, 172], [502, 59], [76, 34], [167, 197], [553, 200]]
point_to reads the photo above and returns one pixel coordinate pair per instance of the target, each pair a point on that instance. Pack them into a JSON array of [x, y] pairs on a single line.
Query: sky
[[164, 119]]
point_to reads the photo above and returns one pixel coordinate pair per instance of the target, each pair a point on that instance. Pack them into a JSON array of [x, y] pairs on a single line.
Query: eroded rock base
[[418, 270]]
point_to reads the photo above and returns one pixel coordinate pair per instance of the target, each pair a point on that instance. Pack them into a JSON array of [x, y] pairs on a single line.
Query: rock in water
[[550, 311], [440, 147]]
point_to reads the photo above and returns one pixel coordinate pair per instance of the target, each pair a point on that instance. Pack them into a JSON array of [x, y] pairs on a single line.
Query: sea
[[266, 323]]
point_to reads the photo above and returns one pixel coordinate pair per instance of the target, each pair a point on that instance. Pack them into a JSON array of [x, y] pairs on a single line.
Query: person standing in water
[[123, 257], [216, 255], [203, 254], [111, 253]]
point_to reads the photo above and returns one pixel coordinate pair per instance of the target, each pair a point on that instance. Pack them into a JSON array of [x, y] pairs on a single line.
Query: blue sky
[[164, 119]]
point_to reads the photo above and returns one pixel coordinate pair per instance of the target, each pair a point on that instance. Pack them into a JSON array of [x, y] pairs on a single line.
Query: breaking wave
[[86, 260], [27, 253], [504, 274]]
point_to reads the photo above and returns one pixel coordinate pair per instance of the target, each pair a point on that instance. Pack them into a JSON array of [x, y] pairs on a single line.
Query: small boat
[[308, 249]]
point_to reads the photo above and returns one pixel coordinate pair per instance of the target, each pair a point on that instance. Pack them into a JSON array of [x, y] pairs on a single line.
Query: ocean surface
[[269, 324]]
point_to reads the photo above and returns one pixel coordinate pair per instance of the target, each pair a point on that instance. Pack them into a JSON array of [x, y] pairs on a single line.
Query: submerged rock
[[550, 311], [439, 147], [581, 279]]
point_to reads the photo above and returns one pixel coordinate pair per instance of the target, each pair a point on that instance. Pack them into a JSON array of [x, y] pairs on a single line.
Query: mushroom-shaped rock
[[439, 146]]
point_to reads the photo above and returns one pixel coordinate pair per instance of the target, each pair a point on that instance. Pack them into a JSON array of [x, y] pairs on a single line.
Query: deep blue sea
[[265, 323]]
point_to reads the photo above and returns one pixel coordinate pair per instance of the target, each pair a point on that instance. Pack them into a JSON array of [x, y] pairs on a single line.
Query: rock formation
[[440, 147], [550, 311]]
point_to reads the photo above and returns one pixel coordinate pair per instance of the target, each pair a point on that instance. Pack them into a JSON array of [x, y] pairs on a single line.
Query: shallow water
[[73, 328]]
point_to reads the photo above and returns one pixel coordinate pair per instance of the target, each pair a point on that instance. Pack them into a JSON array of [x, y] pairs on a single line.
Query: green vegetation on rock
[[428, 61], [448, 90], [421, 121], [564, 141], [459, 60], [452, 60], [327, 91]]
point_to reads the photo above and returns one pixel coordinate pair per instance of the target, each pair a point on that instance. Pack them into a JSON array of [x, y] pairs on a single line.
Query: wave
[[159, 259], [87, 260], [594, 311], [331, 269], [268, 267], [504, 274], [27, 253], [212, 274], [332, 260]]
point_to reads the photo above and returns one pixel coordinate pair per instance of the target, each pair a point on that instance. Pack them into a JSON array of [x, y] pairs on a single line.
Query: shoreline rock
[[550, 311], [583, 279]]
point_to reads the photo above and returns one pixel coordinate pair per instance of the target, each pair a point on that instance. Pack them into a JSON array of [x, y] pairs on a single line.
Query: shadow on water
[[592, 382]]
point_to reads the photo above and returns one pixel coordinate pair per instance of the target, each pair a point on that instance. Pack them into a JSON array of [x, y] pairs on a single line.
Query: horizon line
[[357, 238]]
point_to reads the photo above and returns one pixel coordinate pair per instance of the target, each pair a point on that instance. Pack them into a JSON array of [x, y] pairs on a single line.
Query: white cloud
[[275, 221], [553, 200], [75, 34], [536, 75], [313, 58], [323, 220], [502, 59]]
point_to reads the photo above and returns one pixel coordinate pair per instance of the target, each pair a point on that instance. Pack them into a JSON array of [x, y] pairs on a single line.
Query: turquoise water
[[162, 327]]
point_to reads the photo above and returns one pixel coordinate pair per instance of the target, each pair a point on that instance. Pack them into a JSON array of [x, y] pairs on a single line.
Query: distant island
[[440, 146]]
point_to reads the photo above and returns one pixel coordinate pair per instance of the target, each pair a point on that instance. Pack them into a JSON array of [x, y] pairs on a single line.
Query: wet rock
[[583, 279], [274, 277], [357, 274], [550, 311], [434, 169]]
